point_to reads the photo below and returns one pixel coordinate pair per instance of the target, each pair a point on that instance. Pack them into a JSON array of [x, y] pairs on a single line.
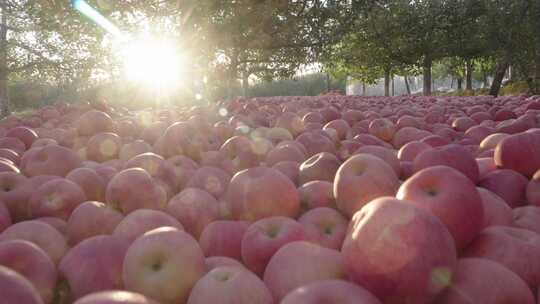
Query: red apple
[[164, 264], [325, 226], [90, 219], [90, 182], [519, 152], [221, 285], [223, 238], [93, 265], [376, 177], [114, 297], [454, 156], [532, 192], [411, 150], [317, 194], [24, 134], [93, 122], [330, 291], [134, 148], [103, 146], [58, 198], [300, 263], [389, 156], [450, 196], [253, 194], [141, 221], [17, 289], [220, 261], [321, 166], [265, 237], [49, 160], [527, 217], [411, 256], [508, 184], [211, 179], [382, 128], [496, 211]]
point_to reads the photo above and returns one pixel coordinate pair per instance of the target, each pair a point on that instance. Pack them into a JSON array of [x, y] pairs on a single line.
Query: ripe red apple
[[316, 143], [285, 153], [13, 143], [253, 194], [134, 148], [221, 285], [141, 221], [330, 291], [49, 160], [57, 223], [325, 226], [316, 194], [389, 156], [220, 261], [527, 217], [58, 198], [450, 196], [90, 182], [223, 238], [195, 209], [103, 146], [532, 192], [157, 167], [519, 152], [291, 122], [16, 288], [321, 166], [90, 219], [93, 122], [382, 128], [11, 155], [93, 265], [376, 177], [492, 141], [164, 264], [24, 134], [114, 297], [33, 263], [508, 184], [133, 189], [484, 281], [503, 244], [39, 233], [411, 150], [454, 156], [210, 179], [5, 217], [496, 211], [299, 263], [265, 237], [411, 256]]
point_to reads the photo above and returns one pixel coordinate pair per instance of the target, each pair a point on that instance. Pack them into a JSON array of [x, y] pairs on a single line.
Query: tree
[[44, 40]]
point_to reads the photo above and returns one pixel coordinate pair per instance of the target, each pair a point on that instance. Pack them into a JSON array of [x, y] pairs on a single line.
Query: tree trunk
[[460, 84], [393, 86], [428, 62], [4, 73], [387, 82], [245, 84], [328, 84], [407, 86], [363, 89], [468, 76], [485, 79], [500, 71], [233, 74]]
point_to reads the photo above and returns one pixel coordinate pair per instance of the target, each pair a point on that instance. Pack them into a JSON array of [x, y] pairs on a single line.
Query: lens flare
[[91, 13]]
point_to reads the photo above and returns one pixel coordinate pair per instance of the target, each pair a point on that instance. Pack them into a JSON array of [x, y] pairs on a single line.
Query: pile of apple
[[291, 200]]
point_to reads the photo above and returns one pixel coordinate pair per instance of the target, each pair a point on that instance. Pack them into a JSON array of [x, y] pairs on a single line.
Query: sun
[[155, 63]]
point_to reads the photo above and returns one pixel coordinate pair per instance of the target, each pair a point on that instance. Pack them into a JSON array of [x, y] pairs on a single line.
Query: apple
[[194, 209], [210, 179], [33, 263], [299, 263], [221, 285], [389, 156], [376, 177], [164, 264], [11, 155], [532, 192], [321, 166], [43, 235], [411, 150], [316, 143], [17, 289], [103, 146], [133, 189], [134, 148], [157, 167], [265, 237], [410, 258], [93, 265], [5, 217], [141, 221], [49, 160], [527, 217], [58, 198], [508, 184], [382, 128], [90, 182], [520, 152], [450, 196], [114, 297], [90, 219], [93, 122], [220, 261], [325, 226], [24, 134], [252, 195], [496, 211], [291, 122], [223, 238], [284, 153], [330, 291], [316, 194], [12, 143], [454, 156], [57, 223]]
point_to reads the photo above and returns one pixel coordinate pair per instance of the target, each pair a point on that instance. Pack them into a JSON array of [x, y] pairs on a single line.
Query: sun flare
[[154, 63]]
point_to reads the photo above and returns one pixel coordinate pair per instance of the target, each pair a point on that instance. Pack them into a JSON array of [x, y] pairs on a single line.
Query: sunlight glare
[[156, 63]]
